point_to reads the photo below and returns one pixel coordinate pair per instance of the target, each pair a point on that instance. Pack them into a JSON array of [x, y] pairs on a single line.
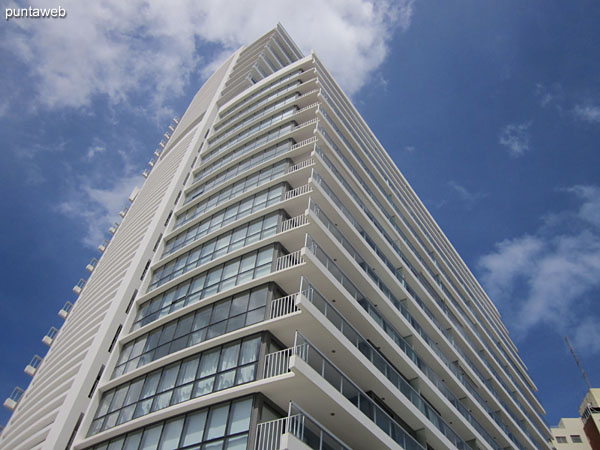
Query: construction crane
[[585, 377]]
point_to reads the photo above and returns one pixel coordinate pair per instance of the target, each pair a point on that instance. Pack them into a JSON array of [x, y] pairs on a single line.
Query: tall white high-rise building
[[277, 284]]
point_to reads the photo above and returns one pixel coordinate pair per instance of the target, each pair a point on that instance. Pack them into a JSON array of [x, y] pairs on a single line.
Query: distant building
[[583, 432]]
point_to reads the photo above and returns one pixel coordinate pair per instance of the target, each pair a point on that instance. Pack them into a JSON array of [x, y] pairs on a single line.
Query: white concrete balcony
[[91, 265], [102, 247], [133, 194], [33, 366], [65, 310], [12, 401], [79, 286], [297, 431], [50, 336]]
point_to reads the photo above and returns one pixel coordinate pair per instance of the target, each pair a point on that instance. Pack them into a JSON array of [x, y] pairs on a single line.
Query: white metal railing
[[289, 260], [284, 305], [308, 122], [295, 425], [312, 105], [298, 191], [92, 265], [301, 165], [35, 362], [278, 363], [16, 394], [292, 223], [52, 332], [268, 434], [310, 140]]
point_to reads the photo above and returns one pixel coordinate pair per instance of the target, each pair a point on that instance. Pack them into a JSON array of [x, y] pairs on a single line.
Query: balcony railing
[[301, 165], [102, 247], [298, 191], [14, 398], [268, 434], [91, 265], [283, 306], [50, 336], [33, 366], [292, 223], [278, 363], [302, 426], [64, 312], [79, 286], [310, 140], [289, 260]]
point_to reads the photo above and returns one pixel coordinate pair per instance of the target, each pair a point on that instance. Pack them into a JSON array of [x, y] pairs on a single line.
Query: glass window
[[171, 434], [134, 391], [208, 363], [231, 269], [220, 311], [133, 441], [204, 386], [181, 394], [105, 403], [248, 262], [167, 333], [151, 384], [229, 356], [225, 380], [250, 350], [217, 422], [116, 444], [237, 443], [240, 416], [161, 401], [184, 326], [188, 371], [169, 375], [239, 304], [246, 374], [194, 428], [151, 437]]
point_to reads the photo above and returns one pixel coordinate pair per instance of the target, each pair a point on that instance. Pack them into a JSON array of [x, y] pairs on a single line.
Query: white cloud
[[588, 113], [4, 108], [547, 95], [116, 49], [469, 197], [96, 148], [96, 200], [549, 277], [515, 137]]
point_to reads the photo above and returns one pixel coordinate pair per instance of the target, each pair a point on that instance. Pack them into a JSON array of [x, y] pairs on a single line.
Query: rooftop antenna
[[585, 377]]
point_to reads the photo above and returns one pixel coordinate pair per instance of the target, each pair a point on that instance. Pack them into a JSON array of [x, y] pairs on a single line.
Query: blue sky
[[490, 109]]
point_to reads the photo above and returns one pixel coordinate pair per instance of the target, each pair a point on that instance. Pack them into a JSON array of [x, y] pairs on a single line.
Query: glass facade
[[223, 426], [224, 276], [212, 370], [244, 207], [251, 181], [230, 314], [239, 237]]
